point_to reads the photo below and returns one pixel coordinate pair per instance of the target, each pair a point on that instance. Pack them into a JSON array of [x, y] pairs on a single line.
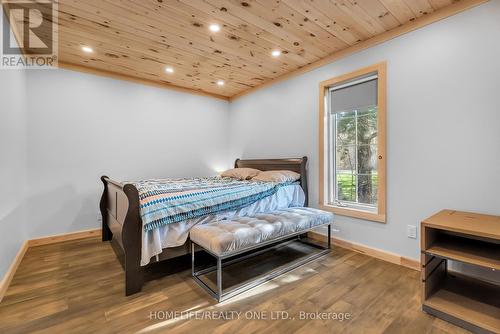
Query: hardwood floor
[[77, 287]]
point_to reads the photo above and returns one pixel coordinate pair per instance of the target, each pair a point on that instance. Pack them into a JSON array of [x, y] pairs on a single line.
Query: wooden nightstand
[[466, 300]]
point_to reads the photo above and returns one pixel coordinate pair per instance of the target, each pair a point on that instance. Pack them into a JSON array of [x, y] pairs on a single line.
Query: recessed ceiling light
[[276, 53], [169, 70], [214, 27], [87, 49], [220, 82]]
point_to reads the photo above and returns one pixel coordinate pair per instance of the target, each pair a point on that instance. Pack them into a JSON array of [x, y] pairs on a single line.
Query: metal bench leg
[[329, 236], [192, 258], [219, 278]]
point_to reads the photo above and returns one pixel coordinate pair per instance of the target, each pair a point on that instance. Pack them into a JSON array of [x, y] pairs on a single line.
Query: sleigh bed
[[123, 227]]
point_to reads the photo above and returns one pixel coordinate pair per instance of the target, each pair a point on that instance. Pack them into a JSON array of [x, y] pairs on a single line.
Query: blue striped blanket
[[167, 201]]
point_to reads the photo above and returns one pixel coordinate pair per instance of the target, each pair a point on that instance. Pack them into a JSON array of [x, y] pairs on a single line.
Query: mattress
[[176, 234]]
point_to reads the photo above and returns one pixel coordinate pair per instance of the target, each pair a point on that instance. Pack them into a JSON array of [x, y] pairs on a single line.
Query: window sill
[[379, 218]]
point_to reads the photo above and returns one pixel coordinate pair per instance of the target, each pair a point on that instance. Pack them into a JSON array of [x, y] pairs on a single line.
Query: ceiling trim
[[119, 76], [420, 22]]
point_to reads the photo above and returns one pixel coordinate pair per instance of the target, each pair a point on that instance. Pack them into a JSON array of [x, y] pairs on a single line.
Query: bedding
[[176, 234], [240, 173], [167, 201], [277, 176]]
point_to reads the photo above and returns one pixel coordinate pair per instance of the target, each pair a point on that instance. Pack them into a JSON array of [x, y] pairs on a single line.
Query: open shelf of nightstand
[[468, 299], [468, 250]]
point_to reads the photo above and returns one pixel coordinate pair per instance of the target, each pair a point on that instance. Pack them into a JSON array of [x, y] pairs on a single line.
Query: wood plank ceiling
[[140, 38]]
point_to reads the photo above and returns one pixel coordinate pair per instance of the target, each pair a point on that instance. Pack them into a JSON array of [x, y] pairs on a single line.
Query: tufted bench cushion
[[239, 233]]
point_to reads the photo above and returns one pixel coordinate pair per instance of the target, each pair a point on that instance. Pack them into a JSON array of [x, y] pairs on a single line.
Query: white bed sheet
[[176, 234]]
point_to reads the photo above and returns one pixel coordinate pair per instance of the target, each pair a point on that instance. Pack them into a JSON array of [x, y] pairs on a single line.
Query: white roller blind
[[354, 96]]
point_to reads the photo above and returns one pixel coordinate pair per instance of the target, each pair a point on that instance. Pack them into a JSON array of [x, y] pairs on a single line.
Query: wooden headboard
[[297, 165]]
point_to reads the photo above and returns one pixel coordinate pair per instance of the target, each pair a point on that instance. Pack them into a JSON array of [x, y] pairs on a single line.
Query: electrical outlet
[[411, 231], [99, 218]]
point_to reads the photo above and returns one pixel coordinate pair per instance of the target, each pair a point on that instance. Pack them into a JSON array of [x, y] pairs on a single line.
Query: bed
[[123, 226]]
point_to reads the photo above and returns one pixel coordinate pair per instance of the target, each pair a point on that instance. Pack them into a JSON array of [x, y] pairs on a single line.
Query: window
[[352, 144]]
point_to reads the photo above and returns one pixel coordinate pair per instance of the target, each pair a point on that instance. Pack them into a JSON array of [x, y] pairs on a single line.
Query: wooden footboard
[[122, 225]]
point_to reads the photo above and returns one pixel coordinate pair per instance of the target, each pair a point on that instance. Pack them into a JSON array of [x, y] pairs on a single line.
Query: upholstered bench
[[226, 239]]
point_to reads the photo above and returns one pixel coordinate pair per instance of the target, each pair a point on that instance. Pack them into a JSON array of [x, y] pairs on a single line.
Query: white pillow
[[277, 176], [241, 173]]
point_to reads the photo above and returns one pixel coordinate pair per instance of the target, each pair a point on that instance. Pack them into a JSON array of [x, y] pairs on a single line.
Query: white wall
[[83, 126], [12, 164], [443, 124]]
